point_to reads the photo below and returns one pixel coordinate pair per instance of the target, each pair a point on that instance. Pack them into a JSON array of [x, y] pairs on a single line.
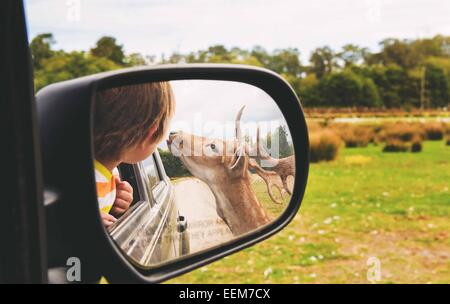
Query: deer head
[[210, 159], [223, 166]]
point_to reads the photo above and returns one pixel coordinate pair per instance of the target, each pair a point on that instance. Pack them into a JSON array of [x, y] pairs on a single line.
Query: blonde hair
[[124, 115]]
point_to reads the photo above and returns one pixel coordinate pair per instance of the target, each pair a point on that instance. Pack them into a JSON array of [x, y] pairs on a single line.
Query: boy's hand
[[124, 197], [107, 219]]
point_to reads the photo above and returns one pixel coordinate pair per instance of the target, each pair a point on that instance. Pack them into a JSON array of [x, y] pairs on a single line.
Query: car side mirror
[[231, 167]]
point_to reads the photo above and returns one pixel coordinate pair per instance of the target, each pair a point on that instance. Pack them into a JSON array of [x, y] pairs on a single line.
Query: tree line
[[402, 74]]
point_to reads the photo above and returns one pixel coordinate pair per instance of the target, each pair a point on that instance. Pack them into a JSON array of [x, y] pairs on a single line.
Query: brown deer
[[271, 179], [224, 167], [283, 167]]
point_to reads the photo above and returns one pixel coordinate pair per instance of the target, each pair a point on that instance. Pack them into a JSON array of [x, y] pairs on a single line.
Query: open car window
[[151, 172], [138, 231], [151, 177], [145, 179]]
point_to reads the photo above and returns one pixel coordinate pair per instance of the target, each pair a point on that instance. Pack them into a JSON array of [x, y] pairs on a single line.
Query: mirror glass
[[188, 165]]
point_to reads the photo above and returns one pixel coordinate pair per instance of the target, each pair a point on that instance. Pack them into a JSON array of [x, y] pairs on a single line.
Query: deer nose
[[172, 136]]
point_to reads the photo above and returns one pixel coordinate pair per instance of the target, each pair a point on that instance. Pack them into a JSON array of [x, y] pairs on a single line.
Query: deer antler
[[284, 167], [238, 134], [237, 130], [261, 153], [270, 178]]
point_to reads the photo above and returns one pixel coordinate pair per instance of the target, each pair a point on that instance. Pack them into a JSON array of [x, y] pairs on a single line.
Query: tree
[[65, 66], [395, 86], [175, 58], [261, 54], [341, 89], [352, 55], [348, 89], [249, 60], [284, 148], [294, 81], [442, 62], [370, 96], [431, 47], [106, 47], [309, 91], [394, 77], [437, 86], [135, 59], [172, 165], [395, 51], [41, 49], [322, 61], [286, 61]]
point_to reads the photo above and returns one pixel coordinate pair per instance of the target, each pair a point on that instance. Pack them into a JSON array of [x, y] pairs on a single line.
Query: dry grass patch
[[355, 135], [447, 134], [434, 131], [395, 145], [324, 145], [401, 131]]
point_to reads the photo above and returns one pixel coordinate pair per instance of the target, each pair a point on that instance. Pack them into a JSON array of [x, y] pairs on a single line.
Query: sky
[[156, 27], [209, 108]]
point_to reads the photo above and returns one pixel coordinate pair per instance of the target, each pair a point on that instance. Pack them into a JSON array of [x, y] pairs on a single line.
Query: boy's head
[[130, 121]]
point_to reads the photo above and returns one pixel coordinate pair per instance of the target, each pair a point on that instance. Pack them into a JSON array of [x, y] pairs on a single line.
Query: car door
[[23, 258], [148, 231]]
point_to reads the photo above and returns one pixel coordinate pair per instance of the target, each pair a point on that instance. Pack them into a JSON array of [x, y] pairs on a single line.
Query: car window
[[150, 176], [151, 171]]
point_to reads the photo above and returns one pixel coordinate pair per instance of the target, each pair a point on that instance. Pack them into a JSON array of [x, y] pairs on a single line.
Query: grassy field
[[392, 206]]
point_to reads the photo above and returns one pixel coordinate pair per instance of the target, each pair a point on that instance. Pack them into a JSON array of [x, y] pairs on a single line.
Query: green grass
[[392, 206]]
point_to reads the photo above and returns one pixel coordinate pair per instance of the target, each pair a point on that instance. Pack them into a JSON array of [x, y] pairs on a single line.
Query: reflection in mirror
[[174, 181]]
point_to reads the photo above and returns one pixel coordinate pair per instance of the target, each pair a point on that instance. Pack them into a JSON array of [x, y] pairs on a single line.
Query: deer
[[271, 179], [283, 168], [224, 167]]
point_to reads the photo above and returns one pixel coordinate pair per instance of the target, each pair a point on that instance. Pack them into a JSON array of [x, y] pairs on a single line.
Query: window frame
[[155, 191], [158, 170], [144, 194]]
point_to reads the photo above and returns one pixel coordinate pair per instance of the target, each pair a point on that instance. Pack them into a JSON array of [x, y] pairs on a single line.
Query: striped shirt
[[106, 187]]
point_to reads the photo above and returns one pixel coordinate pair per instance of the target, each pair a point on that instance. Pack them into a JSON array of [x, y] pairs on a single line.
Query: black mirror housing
[[74, 229]]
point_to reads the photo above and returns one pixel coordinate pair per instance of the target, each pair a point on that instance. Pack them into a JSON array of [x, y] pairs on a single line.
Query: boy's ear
[[152, 131]]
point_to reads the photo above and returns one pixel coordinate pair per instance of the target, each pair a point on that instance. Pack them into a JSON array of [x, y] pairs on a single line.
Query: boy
[[129, 122]]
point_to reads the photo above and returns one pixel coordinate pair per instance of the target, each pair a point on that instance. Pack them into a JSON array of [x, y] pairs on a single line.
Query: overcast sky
[[209, 108], [163, 26]]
